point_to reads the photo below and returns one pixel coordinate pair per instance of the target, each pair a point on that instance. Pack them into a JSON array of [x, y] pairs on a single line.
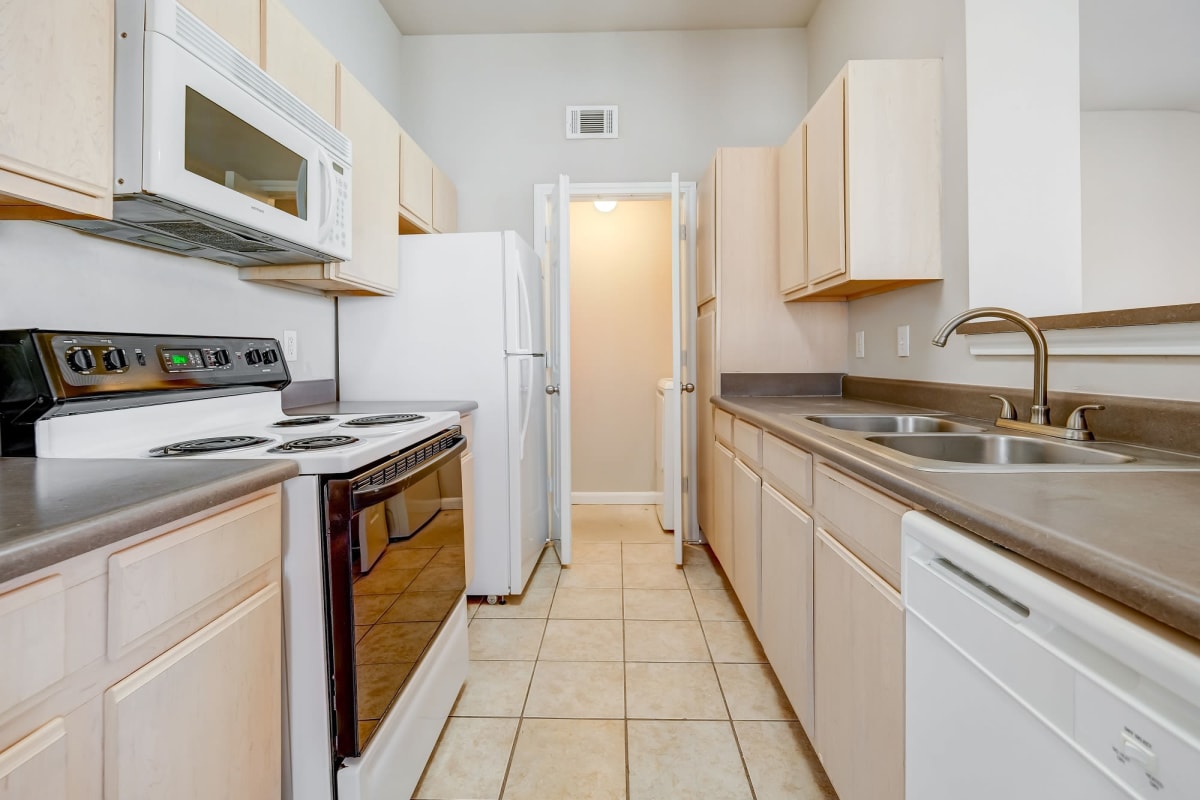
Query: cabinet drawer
[[865, 521], [158, 582], [33, 628], [747, 442], [788, 468], [723, 427]]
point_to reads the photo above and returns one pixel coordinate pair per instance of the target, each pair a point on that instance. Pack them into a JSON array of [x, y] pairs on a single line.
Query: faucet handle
[[1077, 421], [1006, 410]]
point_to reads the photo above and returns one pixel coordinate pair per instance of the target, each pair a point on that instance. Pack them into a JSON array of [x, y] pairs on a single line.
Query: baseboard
[[450, 503], [615, 498]]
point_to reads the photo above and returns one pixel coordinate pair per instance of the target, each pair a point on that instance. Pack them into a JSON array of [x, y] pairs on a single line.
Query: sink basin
[[994, 448], [891, 423]]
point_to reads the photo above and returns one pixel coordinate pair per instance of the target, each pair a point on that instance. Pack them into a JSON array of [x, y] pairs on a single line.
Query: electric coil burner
[[300, 422], [382, 419], [313, 443], [214, 444]]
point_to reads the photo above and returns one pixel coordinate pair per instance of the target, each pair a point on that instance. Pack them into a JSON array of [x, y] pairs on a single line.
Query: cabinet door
[[204, 719], [445, 203], [858, 641], [56, 92], [786, 628], [416, 182], [825, 170], [376, 183], [235, 21], [36, 766], [706, 331], [722, 521], [747, 521], [295, 58], [706, 236], [793, 265]]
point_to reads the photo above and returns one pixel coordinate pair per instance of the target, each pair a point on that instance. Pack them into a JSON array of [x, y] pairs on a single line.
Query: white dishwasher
[[1021, 685]]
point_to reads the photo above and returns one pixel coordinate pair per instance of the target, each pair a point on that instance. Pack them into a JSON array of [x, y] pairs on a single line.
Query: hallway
[[621, 676]]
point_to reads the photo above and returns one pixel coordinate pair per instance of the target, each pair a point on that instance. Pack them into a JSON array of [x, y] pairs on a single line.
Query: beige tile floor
[[621, 676]]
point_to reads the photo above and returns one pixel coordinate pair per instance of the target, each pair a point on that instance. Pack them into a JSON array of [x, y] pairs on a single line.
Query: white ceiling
[[419, 17], [1142, 55]]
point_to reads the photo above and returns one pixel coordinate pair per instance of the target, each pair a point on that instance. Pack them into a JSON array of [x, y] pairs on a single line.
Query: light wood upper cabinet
[[376, 138], [56, 108], [416, 183], [295, 58], [793, 263], [445, 203], [235, 21], [187, 725], [706, 236], [872, 177], [859, 653]]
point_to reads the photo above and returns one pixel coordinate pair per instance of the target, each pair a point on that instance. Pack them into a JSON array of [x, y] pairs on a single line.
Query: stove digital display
[[182, 360]]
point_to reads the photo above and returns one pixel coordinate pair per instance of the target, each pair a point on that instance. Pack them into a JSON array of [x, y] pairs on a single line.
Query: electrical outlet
[[291, 347], [902, 341], [860, 344]]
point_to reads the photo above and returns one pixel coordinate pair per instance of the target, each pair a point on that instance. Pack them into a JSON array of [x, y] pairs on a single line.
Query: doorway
[[623, 335]]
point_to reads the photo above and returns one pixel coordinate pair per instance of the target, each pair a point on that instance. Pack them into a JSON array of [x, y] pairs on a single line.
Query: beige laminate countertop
[[1132, 536], [54, 508]]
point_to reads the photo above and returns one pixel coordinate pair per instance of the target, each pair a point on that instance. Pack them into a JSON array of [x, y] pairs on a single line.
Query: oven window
[[224, 149], [404, 588]]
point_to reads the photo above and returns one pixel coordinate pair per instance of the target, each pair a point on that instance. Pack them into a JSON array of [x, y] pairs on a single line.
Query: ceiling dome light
[[604, 206]]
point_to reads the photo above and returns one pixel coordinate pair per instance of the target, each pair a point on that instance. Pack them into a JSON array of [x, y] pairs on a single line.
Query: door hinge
[[683, 484], [683, 231]]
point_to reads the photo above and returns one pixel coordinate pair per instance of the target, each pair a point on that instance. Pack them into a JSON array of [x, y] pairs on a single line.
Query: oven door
[[210, 145], [382, 622]]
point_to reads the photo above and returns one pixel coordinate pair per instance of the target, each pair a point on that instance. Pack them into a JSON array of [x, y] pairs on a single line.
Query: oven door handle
[[366, 497]]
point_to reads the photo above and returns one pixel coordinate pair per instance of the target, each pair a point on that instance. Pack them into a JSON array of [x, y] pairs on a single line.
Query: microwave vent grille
[[226, 59], [199, 233], [591, 122]]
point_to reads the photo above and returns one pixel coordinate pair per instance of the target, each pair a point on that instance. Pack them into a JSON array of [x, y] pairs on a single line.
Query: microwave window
[[224, 149]]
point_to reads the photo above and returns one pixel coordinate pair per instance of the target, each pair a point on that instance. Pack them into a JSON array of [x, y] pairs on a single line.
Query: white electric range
[[374, 630]]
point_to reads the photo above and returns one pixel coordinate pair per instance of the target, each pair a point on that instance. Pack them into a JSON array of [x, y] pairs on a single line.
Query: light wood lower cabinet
[[786, 626], [36, 766], [747, 521], [720, 537], [858, 643], [203, 719]]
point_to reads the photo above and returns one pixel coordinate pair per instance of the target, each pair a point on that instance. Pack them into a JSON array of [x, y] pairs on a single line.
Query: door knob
[[551, 390], [689, 387]]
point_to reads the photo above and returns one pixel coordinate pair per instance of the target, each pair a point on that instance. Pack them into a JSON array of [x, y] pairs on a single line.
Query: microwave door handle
[[326, 197], [373, 495]]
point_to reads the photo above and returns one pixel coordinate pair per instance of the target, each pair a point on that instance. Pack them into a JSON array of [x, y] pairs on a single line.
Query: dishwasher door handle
[[982, 590]]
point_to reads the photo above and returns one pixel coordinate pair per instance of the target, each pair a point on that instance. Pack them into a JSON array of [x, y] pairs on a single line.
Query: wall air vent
[[591, 122]]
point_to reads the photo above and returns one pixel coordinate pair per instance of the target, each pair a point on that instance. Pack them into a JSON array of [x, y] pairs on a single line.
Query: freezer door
[[527, 487], [524, 315]]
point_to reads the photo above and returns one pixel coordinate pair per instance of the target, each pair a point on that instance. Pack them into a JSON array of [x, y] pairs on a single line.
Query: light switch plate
[[902, 341], [860, 344]]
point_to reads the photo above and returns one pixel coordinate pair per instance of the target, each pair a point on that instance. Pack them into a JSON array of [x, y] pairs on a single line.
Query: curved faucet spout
[[1040, 411]]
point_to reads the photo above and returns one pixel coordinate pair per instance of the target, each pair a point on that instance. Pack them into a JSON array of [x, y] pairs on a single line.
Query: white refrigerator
[[466, 323]]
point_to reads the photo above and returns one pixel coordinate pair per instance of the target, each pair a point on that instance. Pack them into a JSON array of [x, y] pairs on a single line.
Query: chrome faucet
[[1039, 412]]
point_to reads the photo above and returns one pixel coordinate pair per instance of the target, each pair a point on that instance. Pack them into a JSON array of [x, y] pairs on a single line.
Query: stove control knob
[[253, 357], [221, 358], [115, 360], [270, 356], [80, 359]]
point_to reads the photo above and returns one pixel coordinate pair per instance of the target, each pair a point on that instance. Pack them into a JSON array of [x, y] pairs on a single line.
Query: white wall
[[54, 277], [620, 341], [1141, 205], [489, 110], [845, 29]]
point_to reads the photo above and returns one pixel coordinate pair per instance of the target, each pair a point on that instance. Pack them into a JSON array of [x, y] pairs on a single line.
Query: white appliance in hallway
[[474, 303]]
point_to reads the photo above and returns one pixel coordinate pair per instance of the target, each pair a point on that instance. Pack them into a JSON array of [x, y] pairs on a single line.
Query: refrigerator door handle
[[527, 388], [527, 312]]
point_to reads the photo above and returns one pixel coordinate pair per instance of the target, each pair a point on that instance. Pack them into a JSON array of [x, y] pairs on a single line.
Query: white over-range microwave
[[213, 158]]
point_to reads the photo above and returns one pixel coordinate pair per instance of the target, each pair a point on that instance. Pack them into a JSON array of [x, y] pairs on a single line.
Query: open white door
[[678, 368], [558, 365]]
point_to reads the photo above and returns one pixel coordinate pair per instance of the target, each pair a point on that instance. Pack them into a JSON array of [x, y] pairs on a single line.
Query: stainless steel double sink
[[932, 442]]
